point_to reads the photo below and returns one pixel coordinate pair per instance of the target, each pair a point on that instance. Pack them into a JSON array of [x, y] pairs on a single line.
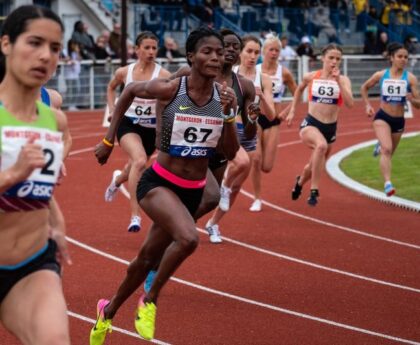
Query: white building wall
[[70, 11]]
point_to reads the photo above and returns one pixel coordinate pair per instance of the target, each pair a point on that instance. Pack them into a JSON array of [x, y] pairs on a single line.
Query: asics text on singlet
[[36, 191], [324, 91], [142, 111], [394, 91], [189, 130]]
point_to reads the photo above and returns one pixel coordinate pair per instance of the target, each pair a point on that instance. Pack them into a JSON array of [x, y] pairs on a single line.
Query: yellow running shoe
[[145, 319], [102, 326]]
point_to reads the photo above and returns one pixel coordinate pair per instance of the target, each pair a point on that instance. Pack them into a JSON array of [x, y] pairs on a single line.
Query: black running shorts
[[46, 260], [147, 135]]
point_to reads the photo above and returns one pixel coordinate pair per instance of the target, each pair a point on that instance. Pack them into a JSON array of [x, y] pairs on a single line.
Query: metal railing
[[89, 90]]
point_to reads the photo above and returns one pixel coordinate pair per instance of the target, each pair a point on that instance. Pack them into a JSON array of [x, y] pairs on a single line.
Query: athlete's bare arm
[[117, 80]]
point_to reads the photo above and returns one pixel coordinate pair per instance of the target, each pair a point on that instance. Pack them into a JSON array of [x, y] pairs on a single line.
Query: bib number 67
[[192, 134]]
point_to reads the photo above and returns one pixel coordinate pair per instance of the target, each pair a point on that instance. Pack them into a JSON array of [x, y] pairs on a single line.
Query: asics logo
[[186, 151], [182, 107], [26, 189]]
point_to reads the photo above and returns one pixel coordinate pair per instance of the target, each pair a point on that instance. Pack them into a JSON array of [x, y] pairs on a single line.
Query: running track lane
[[191, 316]]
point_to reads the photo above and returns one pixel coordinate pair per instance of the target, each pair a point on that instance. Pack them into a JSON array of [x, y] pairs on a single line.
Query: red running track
[[344, 272]]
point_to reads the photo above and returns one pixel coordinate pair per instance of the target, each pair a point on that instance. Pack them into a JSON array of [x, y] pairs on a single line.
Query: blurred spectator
[[169, 49], [203, 9], [115, 39], [287, 52], [339, 12], [412, 44], [84, 40], [320, 23], [372, 24], [305, 48], [131, 51], [72, 68], [360, 8], [100, 48], [370, 45], [382, 44], [106, 36]]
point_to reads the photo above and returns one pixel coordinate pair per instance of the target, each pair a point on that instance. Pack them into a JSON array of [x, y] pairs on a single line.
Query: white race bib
[[325, 91], [143, 112], [40, 184], [195, 136], [394, 90]]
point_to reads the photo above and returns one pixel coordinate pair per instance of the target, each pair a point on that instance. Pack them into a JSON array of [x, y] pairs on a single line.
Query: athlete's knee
[[321, 147], [386, 150], [189, 242], [139, 163], [55, 336]]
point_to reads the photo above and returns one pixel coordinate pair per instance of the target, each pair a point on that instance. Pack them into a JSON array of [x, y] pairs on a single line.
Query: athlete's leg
[[237, 172], [313, 138], [269, 148], [132, 144], [149, 255], [211, 195], [35, 310], [256, 164], [383, 133], [123, 177]]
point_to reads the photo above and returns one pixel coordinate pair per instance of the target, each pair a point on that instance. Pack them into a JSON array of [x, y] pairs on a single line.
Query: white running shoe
[[112, 189], [224, 202], [214, 233], [135, 224], [256, 206]]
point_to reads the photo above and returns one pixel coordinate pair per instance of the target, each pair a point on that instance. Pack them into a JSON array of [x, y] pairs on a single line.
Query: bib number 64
[[140, 111]]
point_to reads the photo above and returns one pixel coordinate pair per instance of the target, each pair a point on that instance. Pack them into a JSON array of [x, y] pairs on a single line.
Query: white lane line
[[252, 302], [335, 172], [117, 329], [303, 262], [315, 265], [333, 225]]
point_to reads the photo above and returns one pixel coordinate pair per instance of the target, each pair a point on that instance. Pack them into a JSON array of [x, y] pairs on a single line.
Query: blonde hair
[[271, 38]]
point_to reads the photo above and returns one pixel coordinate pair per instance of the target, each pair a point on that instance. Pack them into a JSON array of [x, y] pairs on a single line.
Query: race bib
[[143, 112], [394, 91], [40, 184], [278, 88], [194, 136], [325, 91]]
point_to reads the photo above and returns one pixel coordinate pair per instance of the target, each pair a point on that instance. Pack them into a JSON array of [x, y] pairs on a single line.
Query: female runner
[[397, 87], [238, 170], [137, 131], [32, 304], [328, 90], [194, 115], [268, 132]]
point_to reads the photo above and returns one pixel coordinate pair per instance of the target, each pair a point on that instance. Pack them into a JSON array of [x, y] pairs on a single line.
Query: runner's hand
[[30, 158], [370, 111], [58, 235], [227, 98], [102, 152]]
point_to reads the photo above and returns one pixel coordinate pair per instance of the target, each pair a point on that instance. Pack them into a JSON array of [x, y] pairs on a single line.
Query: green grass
[[364, 168]]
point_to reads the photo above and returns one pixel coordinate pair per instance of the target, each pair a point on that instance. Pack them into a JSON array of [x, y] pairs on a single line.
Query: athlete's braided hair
[[196, 36]]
